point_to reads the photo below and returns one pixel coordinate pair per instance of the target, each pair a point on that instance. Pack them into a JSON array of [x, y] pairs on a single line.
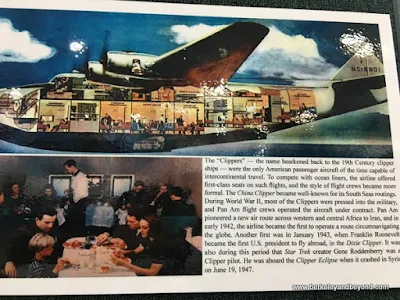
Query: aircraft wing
[[216, 56]]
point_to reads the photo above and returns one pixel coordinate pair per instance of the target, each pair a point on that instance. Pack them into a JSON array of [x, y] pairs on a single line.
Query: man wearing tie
[[80, 193]]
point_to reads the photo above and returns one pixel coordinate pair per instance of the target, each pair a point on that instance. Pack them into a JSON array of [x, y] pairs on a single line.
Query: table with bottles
[[93, 262]]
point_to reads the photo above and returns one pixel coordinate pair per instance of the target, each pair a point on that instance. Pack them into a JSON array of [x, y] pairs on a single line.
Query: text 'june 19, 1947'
[[261, 211]]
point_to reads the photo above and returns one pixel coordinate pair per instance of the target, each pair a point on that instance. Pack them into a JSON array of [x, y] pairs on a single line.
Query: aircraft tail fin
[[212, 58], [359, 67], [358, 84]]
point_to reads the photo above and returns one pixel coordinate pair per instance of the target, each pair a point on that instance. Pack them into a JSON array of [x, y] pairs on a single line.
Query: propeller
[[85, 66], [103, 57]]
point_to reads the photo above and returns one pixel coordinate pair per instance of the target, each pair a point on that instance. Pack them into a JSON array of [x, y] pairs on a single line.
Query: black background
[[372, 6]]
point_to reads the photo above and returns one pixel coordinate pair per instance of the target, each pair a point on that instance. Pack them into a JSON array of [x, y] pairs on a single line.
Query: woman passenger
[[149, 241], [151, 260]]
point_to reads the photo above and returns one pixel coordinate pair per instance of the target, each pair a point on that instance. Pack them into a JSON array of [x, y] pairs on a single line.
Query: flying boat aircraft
[[209, 63], [207, 59]]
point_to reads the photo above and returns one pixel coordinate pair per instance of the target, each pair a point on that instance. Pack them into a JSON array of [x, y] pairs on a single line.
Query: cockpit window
[[62, 84], [136, 68]]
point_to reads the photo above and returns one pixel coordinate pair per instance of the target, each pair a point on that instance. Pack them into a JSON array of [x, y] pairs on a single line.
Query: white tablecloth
[[81, 257]]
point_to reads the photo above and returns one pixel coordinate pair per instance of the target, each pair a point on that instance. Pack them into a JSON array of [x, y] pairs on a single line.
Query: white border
[[214, 282], [197, 10]]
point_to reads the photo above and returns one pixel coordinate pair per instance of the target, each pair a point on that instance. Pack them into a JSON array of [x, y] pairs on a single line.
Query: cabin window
[[121, 184], [95, 185], [61, 183]]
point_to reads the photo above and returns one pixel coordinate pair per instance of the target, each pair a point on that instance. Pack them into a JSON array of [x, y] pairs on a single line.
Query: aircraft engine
[[119, 59], [95, 68]]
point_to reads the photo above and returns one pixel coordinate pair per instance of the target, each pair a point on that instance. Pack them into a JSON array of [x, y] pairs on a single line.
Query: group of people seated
[[141, 240], [16, 207], [162, 127], [33, 233], [148, 127], [192, 127], [64, 124]]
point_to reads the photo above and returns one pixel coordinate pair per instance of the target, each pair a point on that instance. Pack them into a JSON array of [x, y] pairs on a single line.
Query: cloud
[[183, 34], [21, 46], [295, 44], [282, 64], [279, 55], [288, 57]]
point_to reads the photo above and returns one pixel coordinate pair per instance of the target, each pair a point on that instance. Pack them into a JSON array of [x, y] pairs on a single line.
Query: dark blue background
[[137, 32]]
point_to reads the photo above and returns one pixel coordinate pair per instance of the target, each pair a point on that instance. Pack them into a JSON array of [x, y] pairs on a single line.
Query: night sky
[[298, 50]]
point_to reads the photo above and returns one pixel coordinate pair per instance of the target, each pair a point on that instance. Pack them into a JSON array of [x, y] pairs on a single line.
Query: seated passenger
[[135, 199], [18, 204], [49, 197], [151, 260], [16, 250], [175, 205], [41, 245], [126, 237], [160, 198], [150, 228]]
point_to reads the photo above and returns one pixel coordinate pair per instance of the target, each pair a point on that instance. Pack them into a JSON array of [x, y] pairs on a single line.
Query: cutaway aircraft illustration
[[130, 101]]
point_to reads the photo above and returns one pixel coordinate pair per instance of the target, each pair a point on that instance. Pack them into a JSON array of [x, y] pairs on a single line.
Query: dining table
[[81, 266]]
